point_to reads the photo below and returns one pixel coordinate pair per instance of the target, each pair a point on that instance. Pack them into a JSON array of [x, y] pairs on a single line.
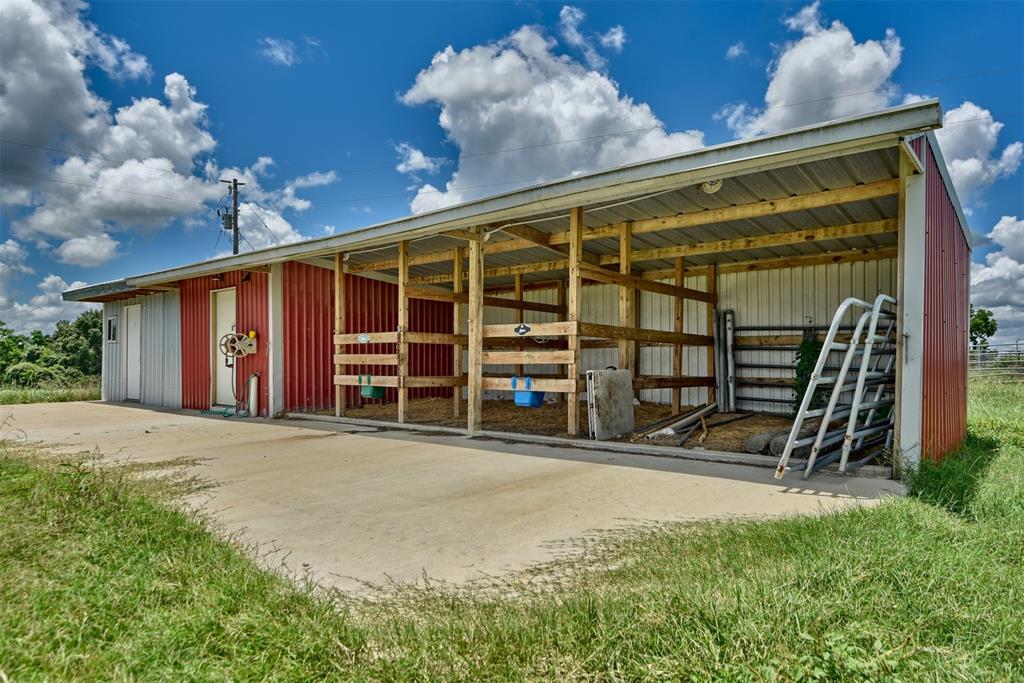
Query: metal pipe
[[730, 359]]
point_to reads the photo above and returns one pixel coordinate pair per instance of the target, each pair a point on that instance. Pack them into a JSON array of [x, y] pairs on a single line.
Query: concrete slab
[[359, 504]]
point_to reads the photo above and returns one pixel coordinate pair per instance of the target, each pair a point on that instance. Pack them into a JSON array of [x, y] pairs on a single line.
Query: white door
[[132, 353], [223, 322]]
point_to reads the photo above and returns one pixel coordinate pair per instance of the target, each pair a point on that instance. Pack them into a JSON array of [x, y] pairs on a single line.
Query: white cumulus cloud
[[92, 250], [968, 141], [413, 160], [998, 283], [517, 93], [44, 310], [13, 256], [824, 74]]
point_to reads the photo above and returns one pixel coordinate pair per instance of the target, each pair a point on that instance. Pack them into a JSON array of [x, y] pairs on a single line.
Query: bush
[[30, 375]]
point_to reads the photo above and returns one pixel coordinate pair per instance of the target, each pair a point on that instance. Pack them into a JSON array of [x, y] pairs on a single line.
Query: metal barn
[[633, 268]]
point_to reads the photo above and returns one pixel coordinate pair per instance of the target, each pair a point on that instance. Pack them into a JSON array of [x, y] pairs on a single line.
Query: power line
[[216, 243], [100, 187], [69, 153], [267, 227], [403, 194], [880, 88]]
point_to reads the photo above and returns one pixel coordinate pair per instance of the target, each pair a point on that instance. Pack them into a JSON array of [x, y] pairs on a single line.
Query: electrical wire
[[217, 243], [69, 153], [267, 227], [100, 187], [426, 189]]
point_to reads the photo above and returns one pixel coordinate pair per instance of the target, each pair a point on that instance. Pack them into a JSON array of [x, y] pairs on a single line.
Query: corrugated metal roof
[[838, 154]]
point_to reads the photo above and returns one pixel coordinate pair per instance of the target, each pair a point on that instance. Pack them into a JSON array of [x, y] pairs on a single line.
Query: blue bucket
[[524, 397]]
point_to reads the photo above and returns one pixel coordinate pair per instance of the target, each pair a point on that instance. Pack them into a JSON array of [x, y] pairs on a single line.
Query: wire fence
[[997, 362]]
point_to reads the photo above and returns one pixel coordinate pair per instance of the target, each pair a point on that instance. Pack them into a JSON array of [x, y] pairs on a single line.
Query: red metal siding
[[196, 344], [371, 306], [947, 268]]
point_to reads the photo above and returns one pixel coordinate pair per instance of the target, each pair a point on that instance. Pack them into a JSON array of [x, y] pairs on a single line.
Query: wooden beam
[[365, 359], [677, 327], [757, 265], [367, 338], [403, 327], [358, 380], [711, 284], [518, 293], [542, 239], [664, 336], [814, 200], [435, 338], [441, 381], [568, 386], [556, 329], [492, 301], [475, 312], [674, 383], [771, 207], [880, 227], [778, 239], [339, 327], [627, 318], [631, 282], [458, 256], [526, 357], [573, 310]]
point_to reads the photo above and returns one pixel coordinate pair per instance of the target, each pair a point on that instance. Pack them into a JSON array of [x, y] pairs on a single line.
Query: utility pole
[[231, 219]]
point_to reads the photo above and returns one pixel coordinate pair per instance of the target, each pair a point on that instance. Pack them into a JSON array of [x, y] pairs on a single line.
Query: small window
[[112, 329]]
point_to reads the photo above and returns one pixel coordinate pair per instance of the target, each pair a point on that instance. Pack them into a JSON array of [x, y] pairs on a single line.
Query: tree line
[[70, 356]]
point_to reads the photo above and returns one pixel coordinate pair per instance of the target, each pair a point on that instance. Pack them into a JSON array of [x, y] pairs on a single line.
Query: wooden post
[[476, 336], [518, 290], [712, 288], [677, 350], [403, 327], [627, 297], [458, 256], [339, 327], [574, 309]]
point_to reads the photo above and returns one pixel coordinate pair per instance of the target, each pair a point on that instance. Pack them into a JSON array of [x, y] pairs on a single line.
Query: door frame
[[214, 348], [124, 352]]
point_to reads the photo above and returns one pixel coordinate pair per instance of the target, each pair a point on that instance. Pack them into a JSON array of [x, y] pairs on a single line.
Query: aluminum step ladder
[[832, 442]]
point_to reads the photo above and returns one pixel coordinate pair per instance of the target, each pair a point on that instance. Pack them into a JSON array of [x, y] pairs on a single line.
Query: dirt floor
[[498, 416], [725, 432], [349, 504]]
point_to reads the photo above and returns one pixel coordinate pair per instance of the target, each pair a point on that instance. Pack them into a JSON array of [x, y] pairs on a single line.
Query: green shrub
[[30, 375]]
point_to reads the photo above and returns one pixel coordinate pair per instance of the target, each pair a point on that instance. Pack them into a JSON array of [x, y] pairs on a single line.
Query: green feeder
[[368, 391]]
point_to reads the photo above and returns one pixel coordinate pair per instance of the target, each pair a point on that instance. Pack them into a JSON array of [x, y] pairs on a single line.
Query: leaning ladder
[[853, 436]]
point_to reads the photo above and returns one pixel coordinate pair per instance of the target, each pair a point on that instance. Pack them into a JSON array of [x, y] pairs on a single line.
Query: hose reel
[[237, 345]]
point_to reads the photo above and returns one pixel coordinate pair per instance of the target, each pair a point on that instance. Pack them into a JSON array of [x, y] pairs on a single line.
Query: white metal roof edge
[[99, 289], [871, 130]]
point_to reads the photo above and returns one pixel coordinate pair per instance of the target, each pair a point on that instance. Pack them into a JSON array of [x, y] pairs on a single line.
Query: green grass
[[86, 391], [100, 577]]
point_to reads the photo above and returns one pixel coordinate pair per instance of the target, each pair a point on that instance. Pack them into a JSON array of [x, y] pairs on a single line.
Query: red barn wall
[[371, 306], [947, 269], [250, 314]]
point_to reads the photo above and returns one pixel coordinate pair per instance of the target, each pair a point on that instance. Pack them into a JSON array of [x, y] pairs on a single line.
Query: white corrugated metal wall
[[783, 297], [160, 348]]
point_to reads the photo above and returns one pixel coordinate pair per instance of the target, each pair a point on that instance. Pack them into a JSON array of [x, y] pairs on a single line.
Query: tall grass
[[85, 390], [100, 578]]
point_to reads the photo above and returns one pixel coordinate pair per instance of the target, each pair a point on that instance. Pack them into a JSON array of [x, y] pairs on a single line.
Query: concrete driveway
[[355, 505]]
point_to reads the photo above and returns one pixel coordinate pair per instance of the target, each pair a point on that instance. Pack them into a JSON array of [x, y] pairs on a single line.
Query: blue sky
[[333, 93]]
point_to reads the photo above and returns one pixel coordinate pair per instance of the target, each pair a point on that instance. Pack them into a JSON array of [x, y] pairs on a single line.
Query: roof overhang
[[849, 135]]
